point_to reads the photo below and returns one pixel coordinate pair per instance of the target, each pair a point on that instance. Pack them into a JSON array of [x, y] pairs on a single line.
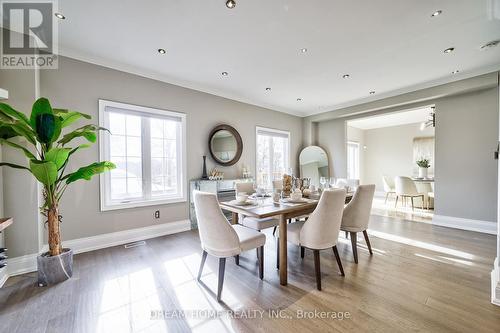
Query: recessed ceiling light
[[162, 51], [299, 99], [230, 4], [490, 45], [449, 50], [372, 92], [60, 16], [303, 50], [455, 71], [268, 89], [346, 76], [437, 13], [225, 73]]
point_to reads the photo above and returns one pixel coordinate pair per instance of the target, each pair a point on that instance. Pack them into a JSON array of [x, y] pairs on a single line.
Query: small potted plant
[[48, 151], [423, 165]]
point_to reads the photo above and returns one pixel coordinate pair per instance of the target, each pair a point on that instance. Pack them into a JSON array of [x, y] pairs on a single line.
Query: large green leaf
[[45, 127], [69, 118], [88, 171], [23, 130], [26, 152], [40, 107], [74, 150], [15, 166], [8, 111], [87, 132], [58, 156], [44, 171], [6, 131]]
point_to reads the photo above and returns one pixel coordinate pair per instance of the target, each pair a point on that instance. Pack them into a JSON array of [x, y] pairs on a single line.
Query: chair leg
[[302, 252], [337, 257], [346, 235], [354, 246], [261, 262], [203, 258], [317, 269], [237, 260], [386, 196], [412, 205], [274, 230], [277, 253], [222, 267], [396, 203], [367, 240]]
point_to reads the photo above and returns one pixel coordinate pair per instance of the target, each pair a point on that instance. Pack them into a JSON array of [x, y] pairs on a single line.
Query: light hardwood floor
[[420, 278]]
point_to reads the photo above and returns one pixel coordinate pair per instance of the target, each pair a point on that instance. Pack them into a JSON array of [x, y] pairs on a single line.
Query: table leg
[[234, 219], [283, 252]]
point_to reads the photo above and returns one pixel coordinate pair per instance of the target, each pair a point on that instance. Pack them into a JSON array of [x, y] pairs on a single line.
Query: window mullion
[[146, 157]]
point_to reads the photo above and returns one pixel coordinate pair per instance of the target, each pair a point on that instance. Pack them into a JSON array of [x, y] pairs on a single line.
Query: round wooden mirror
[[225, 145]]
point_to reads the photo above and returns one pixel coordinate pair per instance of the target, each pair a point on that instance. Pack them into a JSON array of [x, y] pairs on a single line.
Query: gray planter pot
[[52, 270]]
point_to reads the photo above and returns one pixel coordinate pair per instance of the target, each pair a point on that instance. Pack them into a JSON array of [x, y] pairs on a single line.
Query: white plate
[[244, 203], [301, 200]]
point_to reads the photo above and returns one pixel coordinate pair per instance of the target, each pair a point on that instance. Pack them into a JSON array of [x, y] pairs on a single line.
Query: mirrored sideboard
[[225, 190]]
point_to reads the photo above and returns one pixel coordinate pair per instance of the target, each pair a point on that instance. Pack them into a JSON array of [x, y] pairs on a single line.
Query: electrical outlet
[[157, 214]]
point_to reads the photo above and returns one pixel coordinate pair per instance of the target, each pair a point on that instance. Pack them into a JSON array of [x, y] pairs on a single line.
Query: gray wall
[[331, 136], [466, 173], [78, 85], [20, 189]]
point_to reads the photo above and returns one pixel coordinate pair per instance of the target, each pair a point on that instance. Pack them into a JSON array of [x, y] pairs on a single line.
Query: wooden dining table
[[266, 207]]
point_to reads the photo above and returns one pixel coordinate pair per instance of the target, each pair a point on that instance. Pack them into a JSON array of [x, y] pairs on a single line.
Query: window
[[272, 155], [148, 148], [352, 160]]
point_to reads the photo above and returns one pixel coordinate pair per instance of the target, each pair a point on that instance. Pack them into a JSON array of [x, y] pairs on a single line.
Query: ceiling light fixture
[[346, 76], [449, 50], [372, 92], [225, 73], [299, 99], [303, 50], [437, 13], [60, 16], [490, 45], [456, 71], [230, 4], [268, 89], [162, 51]]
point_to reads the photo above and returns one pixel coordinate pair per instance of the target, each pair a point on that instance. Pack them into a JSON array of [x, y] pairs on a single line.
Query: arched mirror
[[225, 145], [313, 162]]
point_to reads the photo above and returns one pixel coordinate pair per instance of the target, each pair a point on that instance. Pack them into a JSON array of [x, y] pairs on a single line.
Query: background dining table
[[266, 207]]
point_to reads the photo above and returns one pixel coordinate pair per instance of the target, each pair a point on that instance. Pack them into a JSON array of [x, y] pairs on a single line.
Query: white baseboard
[[465, 224], [495, 283], [27, 263]]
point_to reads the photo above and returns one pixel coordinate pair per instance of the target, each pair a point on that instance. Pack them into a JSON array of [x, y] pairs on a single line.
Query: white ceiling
[[389, 46], [392, 119]]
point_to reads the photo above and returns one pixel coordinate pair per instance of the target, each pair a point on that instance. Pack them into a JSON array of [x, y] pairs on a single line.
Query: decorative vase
[[422, 172], [54, 269], [204, 173]]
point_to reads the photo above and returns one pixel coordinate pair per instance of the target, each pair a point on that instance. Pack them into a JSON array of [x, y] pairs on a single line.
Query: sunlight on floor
[[423, 245], [127, 302], [446, 260], [379, 207]]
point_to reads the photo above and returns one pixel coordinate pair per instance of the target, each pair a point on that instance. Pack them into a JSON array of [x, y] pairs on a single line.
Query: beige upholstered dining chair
[[253, 222], [221, 239], [406, 188], [357, 215], [389, 187], [321, 230]]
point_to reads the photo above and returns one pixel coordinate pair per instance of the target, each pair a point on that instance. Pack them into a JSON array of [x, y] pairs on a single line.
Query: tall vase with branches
[[48, 151]]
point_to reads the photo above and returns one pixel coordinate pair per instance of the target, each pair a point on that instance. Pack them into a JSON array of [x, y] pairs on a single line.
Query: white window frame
[[271, 130], [354, 143], [104, 152]]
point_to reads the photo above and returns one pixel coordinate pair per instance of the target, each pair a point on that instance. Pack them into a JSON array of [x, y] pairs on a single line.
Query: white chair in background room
[[221, 239], [253, 222], [357, 215], [406, 188], [389, 187], [321, 230]]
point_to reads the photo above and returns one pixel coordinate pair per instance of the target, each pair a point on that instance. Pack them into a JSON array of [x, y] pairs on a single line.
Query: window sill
[[137, 204]]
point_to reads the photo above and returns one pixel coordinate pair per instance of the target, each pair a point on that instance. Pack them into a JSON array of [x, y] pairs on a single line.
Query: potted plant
[[48, 152], [423, 165]]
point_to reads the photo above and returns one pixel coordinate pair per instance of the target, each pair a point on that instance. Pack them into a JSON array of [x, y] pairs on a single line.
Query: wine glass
[[323, 182], [333, 181]]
